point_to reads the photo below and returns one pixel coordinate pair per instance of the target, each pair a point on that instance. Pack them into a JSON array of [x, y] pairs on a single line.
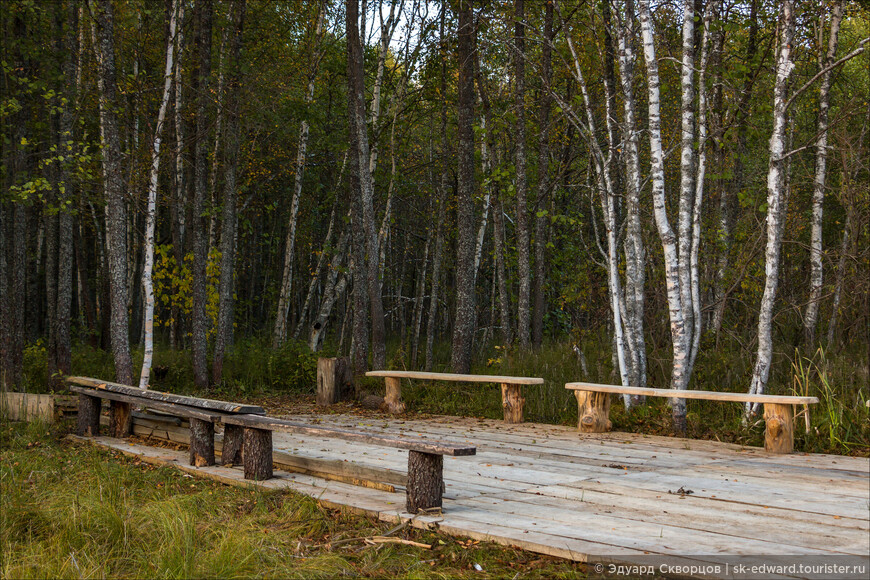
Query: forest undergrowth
[[839, 423]]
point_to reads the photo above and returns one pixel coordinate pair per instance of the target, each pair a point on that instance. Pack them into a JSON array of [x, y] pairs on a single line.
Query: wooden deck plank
[[546, 489], [700, 516]]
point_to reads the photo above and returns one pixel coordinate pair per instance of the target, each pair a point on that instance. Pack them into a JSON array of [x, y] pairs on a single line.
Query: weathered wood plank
[[707, 395], [400, 442], [27, 406], [172, 408], [457, 377], [224, 406]]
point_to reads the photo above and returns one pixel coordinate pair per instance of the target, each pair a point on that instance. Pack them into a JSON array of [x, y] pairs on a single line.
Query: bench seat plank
[[410, 443], [708, 395], [171, 408], [223, 406], [457, 377]]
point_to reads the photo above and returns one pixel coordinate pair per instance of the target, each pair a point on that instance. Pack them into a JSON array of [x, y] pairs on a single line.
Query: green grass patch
[[69, 510]]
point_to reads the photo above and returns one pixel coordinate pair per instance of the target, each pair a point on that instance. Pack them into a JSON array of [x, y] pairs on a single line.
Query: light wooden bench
[[425, 459], [202, 413], [593, 408], [512, 400]]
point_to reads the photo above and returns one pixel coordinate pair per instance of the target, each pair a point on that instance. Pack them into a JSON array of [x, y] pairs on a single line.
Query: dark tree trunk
[[523, 271], [542, 221], [116, 211], [464, 322], [224, 336], [363, 183], [63, 356], [199, 225]]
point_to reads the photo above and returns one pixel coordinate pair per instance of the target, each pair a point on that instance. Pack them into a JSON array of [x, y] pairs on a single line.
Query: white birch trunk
[[816, 276], [680, 371], [388, 28], [687, 173], [279, 334], [608, 208], [775, 202], [151, 214], [634, 250], [712, 8]]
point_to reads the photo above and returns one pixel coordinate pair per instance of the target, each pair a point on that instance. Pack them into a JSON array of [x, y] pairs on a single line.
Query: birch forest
[[210, 194]]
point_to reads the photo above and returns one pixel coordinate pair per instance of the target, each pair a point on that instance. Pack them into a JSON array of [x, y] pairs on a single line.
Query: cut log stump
[[334, 381], [393, 398], [425, 481], [779, 428], [201, 443], [258, 454], [88, 421], [120, 419], [593, 409], [512, 402], [234, 437]]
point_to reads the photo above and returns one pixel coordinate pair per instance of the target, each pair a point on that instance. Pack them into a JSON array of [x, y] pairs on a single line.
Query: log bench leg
[[593, 410], [88, 422], [512, 402], [120, 419], [201, 443], [234, 436], [425, 481], [779, 428], [257, 457], [393, 398]]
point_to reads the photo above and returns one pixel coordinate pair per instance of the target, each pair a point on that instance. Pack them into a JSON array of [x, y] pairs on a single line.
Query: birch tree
[[776, 211], [279, 333], [151, 212], [680, 337], [816, 277]]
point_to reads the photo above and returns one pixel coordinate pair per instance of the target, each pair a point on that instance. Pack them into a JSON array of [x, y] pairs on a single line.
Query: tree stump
[[425, 481], [779, 428], [334, 381], [234, 437], [393, 398], [88, 421], [201, 443], [512, 402], [120, 419], [258, 453], [593, 410]]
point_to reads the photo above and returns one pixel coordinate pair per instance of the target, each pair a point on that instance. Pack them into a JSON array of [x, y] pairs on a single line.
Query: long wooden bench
[[512, 400], [425, 459], [593, 408], [202, 413]]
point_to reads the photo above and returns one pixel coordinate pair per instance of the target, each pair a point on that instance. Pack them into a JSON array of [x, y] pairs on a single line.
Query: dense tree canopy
[[616, 172]]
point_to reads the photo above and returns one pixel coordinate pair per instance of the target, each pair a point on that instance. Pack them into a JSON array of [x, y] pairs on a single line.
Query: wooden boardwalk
[[605, 497]]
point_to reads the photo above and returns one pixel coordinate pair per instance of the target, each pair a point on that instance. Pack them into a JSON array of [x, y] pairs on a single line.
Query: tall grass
[[69, 511]]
